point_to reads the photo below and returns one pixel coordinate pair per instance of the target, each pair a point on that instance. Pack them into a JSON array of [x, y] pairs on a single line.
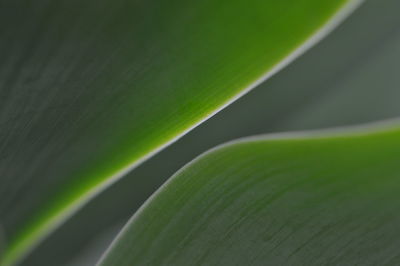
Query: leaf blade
[[294, 199], [109, 67]]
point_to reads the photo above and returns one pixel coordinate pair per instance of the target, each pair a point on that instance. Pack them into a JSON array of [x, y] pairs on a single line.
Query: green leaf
[[295, 199], [92, 88], [351, 70]]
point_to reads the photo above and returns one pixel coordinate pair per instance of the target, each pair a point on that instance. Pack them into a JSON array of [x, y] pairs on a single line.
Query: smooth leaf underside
[[89, 88], [295, 200]]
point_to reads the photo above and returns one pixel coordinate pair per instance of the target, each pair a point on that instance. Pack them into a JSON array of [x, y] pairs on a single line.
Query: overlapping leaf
[[90, 88], [283, 200], [335, 83]]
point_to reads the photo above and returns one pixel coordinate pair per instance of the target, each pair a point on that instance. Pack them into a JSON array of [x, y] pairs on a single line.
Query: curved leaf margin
[[122, 244], [28, 239]]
